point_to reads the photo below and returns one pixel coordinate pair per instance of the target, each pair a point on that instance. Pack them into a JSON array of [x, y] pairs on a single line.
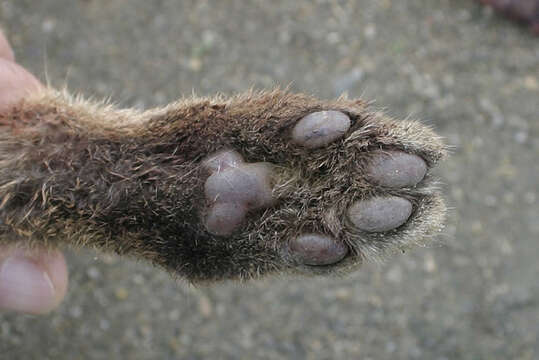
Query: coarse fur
[[87, 174]]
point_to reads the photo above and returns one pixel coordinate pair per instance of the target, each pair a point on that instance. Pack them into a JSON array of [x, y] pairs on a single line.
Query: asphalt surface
[[472, 294]]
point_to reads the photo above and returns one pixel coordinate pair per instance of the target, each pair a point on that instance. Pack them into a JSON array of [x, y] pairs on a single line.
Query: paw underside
[[334, 199], [214, 189]]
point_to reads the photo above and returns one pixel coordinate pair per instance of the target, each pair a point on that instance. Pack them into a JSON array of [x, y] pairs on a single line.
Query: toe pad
[[397, 169], [380, 214], [320, 128], [315, 249]]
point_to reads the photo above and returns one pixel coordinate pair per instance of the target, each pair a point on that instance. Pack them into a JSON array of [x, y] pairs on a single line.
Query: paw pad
[[233, 189], [397, 169], [380, 213], [315, 249], [320, 128]]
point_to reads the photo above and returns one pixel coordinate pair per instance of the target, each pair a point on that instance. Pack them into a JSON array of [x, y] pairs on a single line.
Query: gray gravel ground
[[474, 294]]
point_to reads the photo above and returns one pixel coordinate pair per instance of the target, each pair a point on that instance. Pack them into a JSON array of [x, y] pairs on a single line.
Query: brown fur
[[87, 174]]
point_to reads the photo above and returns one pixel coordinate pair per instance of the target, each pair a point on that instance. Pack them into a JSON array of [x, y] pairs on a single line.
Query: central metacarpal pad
[[246, 184], [224, 218], [234, 188]]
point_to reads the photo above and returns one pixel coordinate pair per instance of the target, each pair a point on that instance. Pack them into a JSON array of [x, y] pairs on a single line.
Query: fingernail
[[25, 286]]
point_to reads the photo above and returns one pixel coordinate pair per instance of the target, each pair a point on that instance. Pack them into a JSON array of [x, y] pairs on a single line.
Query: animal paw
[[327, 191], [214, 189]]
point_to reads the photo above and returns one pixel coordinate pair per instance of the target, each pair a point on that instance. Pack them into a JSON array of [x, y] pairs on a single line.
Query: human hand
[[34, 281]]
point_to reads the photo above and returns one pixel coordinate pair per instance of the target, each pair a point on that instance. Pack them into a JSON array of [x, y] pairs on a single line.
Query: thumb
[[32, 282], [15, 83]]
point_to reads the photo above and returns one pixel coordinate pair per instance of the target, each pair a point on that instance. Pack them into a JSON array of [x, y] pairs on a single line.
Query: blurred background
[[472, 294]]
